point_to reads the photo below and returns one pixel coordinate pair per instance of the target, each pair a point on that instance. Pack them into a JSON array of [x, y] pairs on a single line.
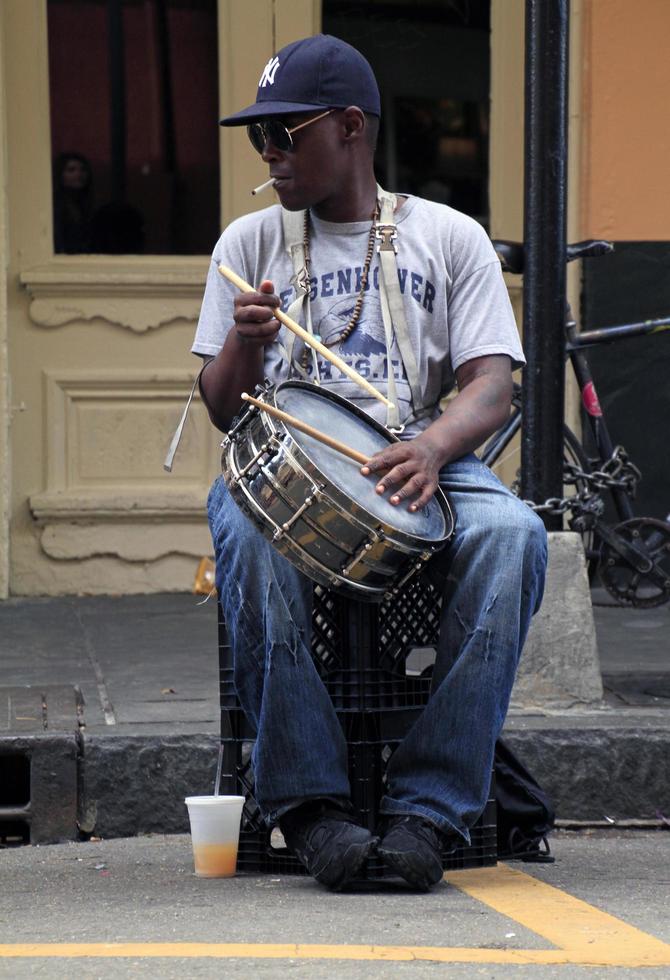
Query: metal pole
[[546, 138]]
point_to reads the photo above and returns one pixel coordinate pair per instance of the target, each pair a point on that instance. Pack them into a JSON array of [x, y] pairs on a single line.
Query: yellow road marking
[[585, 932], [305, 951], [586, 935]]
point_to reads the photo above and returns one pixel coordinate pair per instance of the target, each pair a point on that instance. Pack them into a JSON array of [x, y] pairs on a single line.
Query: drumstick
[[308, 338], [307, 429]]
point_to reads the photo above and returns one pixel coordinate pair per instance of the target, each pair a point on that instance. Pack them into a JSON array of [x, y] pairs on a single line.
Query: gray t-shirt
[[456, 303]]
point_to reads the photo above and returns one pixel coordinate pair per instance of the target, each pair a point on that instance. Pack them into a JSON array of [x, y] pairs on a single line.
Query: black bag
[[525, 813]]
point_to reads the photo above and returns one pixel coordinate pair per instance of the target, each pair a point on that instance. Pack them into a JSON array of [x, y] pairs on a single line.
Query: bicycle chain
[[619, 573], [617, 473]]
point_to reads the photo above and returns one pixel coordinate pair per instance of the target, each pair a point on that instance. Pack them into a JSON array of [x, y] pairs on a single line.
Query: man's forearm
[[470, 418], [236, 368]]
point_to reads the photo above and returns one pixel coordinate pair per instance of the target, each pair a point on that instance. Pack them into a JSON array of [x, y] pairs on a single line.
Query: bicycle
[[631, 557]]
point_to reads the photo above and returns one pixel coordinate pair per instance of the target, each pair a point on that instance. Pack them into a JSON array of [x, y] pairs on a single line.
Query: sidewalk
[[146, 717], [133, 908]]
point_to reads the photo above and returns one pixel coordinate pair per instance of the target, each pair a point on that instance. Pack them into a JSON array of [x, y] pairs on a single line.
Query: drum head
[[336, 417]]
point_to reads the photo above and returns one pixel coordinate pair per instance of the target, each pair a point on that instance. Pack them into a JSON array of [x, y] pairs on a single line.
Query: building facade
[[96, 325]]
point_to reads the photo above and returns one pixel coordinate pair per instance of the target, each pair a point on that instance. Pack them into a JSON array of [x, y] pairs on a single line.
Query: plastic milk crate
[[363, 653]]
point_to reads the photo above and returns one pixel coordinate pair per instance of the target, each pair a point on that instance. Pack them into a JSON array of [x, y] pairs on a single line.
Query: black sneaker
[[413, 848], [327, 841]]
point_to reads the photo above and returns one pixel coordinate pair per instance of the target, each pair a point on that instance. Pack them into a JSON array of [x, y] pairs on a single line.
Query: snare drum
[[315, 505]]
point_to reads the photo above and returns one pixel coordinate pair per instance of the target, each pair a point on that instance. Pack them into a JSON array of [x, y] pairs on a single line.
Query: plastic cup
[[215, 833]]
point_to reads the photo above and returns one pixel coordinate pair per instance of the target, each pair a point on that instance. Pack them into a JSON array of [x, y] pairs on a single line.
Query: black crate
[[347, 634], [374, 690], [365, 690], [391, 701], [263, 851], [360, 651]]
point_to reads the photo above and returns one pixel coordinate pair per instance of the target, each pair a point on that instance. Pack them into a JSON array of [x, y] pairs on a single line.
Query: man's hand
[[253, 314], [480, 407], [413, 468], [239, 365]]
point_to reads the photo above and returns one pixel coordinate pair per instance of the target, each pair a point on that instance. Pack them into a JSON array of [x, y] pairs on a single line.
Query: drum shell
[[333, 540]]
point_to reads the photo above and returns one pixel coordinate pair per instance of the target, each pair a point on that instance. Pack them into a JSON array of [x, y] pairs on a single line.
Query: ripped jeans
[[493, 574]]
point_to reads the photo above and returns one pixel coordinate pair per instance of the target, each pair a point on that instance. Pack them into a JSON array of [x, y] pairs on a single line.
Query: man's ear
[[354, 123]]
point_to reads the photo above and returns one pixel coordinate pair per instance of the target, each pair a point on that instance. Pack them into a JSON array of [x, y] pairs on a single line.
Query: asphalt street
[[133, 908]]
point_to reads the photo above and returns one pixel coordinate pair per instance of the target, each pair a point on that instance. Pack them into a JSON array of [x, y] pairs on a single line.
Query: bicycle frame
[[575, 342], [502, 438], [632, 555]]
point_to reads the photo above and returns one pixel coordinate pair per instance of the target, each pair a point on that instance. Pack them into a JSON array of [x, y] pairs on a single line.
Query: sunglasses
[[277, 133]]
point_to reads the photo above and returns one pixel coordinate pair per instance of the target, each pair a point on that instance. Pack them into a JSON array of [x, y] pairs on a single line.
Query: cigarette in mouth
[[263, 187]]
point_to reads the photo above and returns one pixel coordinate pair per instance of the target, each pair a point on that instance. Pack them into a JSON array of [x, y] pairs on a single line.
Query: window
[[134, 125], [432, 62]]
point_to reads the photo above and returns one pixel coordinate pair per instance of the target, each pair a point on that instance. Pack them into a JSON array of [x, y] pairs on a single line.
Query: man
[[315, 122]]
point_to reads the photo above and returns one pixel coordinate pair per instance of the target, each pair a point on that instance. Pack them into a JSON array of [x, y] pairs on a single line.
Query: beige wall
[[98, 346], [506, 144], [506, 158], [98, 349], [626, 153], [4, 365], [507, 162], [259, 28]]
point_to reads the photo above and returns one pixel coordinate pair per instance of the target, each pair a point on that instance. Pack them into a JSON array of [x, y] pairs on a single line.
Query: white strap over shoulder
[[393, 309], [293, 223]]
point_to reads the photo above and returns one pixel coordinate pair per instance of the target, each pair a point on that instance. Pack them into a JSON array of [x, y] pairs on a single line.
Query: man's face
[[74, 175], [312, 171]]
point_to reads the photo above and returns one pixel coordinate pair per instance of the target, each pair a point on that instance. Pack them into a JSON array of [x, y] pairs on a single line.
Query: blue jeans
[[493, 577]]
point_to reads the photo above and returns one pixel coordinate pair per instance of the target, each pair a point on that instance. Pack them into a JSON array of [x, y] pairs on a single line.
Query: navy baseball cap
[[315, 73]]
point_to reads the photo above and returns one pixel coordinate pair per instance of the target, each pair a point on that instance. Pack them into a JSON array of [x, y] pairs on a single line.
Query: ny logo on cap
[[268, 76]]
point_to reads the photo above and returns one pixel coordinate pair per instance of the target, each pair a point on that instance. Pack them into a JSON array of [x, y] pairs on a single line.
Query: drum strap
[[393, 311], [294, 224], [176, 438]]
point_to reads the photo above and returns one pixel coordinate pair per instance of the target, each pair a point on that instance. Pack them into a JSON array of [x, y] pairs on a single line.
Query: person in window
[[72, 203], [314, 123]]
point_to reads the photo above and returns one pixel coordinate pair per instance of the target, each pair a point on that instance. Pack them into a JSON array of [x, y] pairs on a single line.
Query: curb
[[597, 773], [123, 786], [137, 784]]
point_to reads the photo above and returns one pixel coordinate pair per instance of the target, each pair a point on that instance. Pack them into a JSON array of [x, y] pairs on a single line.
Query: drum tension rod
[[415, 567], [266, 450], [314, 495], [247, 409], [367, 546]]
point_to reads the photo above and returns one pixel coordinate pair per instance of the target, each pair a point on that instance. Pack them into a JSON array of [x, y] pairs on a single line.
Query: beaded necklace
[[358, 306]]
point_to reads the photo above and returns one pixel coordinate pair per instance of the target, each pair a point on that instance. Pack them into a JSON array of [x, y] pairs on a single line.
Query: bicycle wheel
[[637, 585]]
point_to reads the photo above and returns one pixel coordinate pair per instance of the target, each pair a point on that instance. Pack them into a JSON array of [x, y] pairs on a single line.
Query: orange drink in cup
[[215, 834]]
